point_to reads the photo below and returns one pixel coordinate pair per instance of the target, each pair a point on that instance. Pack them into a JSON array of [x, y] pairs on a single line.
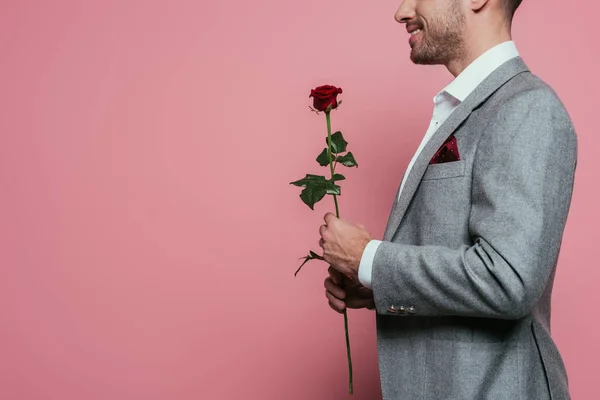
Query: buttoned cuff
[[365, 268]]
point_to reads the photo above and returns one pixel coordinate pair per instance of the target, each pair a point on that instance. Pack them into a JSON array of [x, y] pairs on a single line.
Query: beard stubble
[[442, 39]]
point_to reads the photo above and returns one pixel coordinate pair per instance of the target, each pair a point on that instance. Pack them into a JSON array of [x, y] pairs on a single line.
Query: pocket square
[[447, 152]]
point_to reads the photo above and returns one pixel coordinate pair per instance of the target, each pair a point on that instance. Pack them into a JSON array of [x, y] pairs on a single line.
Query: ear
[[477, 5]]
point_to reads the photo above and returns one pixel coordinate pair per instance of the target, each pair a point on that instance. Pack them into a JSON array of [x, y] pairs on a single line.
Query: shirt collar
[[462, 86]]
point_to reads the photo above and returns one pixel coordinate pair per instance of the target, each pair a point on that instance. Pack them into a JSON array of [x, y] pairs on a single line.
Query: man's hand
[[349, 293], [343, 244]]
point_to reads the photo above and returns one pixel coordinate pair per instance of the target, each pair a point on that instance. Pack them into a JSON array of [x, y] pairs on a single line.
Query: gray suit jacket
[[463, 279]]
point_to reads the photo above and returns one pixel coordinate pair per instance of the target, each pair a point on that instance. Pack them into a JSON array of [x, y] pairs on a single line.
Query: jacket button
[[392, 310], [411, 310]]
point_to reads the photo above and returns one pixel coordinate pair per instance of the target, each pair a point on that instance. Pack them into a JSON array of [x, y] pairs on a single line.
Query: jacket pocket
[[450, 169]]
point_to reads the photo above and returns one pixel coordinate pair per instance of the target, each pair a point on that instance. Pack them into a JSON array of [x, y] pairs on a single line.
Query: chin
[[418, 57]]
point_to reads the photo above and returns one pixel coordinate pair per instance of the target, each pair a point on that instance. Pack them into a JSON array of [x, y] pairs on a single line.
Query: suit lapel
[[493, 82]]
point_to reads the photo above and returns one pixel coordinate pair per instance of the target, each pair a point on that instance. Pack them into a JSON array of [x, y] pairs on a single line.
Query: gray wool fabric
[[472, 247]]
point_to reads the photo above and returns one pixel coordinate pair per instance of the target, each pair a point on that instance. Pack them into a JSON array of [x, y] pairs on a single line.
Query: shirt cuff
[[365, 268]]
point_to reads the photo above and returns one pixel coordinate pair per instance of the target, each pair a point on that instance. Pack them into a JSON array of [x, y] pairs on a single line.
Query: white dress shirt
[[444, 103]]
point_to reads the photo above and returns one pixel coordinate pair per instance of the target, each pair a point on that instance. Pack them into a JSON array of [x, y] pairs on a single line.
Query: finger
[[322, 230], [364, 292], [335, 275], [329, 217], [335, 303], [334, 289], [358, 302], [343, 279], [361, 226], [350, 285], [347, 273]]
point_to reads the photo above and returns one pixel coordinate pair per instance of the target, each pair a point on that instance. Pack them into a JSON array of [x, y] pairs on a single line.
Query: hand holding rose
[[343, 293], [343, 244]]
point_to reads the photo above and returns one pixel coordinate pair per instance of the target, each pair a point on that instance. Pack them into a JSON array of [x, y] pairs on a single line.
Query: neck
[[475, 45]]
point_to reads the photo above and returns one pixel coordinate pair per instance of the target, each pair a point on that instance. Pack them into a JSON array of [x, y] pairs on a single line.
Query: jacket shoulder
[[529, 88], [521, 93]]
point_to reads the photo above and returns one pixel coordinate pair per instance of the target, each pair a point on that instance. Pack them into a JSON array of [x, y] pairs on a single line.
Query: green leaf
[[333, 145], [337, 177], [315, 188], [315, 255], [332, 188], [338, 144], [312, 194], [323, 158], [347, 160], [309, 178]]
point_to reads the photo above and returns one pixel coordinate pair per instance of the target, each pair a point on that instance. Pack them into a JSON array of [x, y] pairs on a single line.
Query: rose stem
[[327, 116], [337, 213]]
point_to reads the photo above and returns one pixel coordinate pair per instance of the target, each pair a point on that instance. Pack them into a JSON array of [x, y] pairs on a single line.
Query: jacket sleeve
[[522, 181]]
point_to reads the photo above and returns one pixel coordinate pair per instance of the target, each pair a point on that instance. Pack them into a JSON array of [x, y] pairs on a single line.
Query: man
[[462, 280]]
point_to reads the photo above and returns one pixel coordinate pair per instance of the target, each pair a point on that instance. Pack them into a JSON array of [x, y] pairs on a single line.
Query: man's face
[[439, 27]]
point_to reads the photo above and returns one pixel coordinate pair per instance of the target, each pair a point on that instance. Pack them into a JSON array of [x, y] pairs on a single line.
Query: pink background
[[149, 232]]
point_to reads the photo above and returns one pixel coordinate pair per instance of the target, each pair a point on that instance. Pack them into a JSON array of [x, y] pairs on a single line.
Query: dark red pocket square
[[447, 152]]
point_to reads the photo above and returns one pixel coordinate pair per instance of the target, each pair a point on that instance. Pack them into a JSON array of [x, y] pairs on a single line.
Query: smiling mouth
[[415, 32]]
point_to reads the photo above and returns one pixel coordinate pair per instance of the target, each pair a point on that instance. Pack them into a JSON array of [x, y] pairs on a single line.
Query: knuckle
[[355, 303], [335, 307]]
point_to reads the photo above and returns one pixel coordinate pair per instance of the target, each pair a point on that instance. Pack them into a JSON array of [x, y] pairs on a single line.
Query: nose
[[406, 11]]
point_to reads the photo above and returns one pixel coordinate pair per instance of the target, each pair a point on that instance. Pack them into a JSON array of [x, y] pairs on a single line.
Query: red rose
[[324, 96]]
